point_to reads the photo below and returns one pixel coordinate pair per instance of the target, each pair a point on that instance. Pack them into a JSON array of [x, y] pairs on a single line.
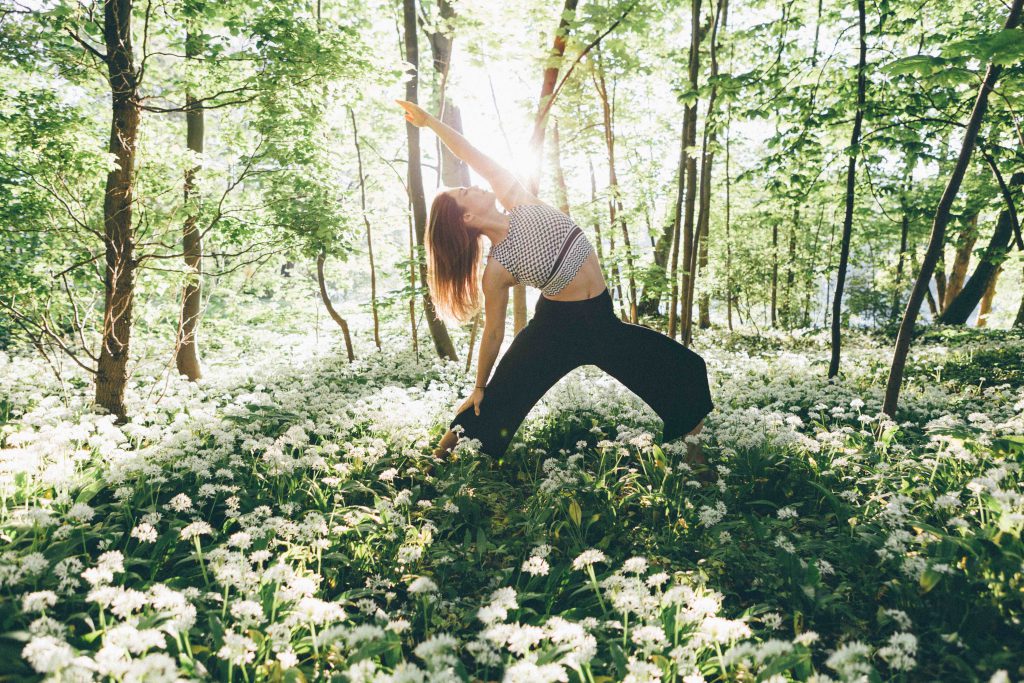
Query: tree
[[963, 304], [851, 175], [941, 220], [438, 330], [186, 349], [690, 139]]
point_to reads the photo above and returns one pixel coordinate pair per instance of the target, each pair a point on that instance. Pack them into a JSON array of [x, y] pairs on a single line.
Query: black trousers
[[561, 336]]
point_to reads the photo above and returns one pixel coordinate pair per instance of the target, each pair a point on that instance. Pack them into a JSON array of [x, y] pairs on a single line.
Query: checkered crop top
[[544, 247]]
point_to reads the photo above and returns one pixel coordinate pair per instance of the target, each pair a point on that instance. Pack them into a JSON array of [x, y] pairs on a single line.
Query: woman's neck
[[494, 226]]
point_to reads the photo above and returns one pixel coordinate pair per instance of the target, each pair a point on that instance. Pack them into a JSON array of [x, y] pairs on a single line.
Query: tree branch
[[87, 46]]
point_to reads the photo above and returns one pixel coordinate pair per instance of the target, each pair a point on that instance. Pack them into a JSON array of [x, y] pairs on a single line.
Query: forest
[[223, 376]]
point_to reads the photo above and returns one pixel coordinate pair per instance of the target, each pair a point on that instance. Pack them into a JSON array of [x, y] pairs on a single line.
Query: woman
[[574, 323]]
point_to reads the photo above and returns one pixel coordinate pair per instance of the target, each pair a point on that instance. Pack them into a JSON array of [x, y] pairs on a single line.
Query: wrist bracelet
[[480, 387]]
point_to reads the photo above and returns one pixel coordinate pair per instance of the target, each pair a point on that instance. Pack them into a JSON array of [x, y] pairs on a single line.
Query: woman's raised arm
[[506, 186]]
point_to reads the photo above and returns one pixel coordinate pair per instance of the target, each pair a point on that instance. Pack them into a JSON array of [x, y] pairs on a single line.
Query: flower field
[[285, 521]]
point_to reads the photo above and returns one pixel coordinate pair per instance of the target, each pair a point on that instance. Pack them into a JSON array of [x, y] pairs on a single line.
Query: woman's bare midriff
[[588, 283]]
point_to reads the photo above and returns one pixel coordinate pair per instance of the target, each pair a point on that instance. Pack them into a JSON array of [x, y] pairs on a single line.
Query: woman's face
[[474, 200]]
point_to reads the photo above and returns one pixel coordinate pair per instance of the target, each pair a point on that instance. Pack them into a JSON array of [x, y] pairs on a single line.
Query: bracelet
[[480, 387]]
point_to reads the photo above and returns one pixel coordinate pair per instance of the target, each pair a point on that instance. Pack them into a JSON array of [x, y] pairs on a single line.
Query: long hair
[[453, 260]]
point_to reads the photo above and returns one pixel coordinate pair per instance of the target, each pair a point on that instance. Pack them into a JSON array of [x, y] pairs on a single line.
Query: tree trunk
[[561, 190], [547, 90], [775, 275], [690, 124], [677, 214], [965, 244], [320, 259], [614, 201], [707, 163], [788, 305], [986, 301], [959, 309], [651, 297], [186, 349], [812, 262], [728, 218], [118, 231], [615, 273], [904, 235], [438, 330], [369, 232], [851, 175], [597, 220], [472, 338], [412, 286], [1018, 321], [942, 218], [454, 171], [940, 279]]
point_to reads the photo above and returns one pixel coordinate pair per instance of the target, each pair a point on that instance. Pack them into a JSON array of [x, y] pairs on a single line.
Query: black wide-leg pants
[[561, 336]]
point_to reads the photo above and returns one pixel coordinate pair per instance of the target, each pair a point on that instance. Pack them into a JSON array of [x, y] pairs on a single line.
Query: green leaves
[[921, 65], [1004, 47]]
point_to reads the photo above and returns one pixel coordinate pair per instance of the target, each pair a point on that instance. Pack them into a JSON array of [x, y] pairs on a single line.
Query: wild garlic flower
[[589, 557]]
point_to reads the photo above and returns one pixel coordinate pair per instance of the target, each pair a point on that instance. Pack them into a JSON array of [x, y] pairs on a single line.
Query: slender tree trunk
[[454, 171], [690, 124], [942, 218], [186, 349], [616, 274], [775, 275], [1018, 321], [118, 231], [812, 262], [707, 163], [828, 267], [547, 90], [649, 300], [789, 305], [960, 308], [728, 218], [904, 234], [827, 270], [472, 338], [438, 330], [614, 200], [597, 221], [677, 214], [851, 175], [940, 279], [321, 281], [412, 285], [932, 306], [561, 190], [369, 231]]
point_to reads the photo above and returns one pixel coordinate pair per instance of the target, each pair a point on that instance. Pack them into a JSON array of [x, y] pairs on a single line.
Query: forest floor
[[277, 521]]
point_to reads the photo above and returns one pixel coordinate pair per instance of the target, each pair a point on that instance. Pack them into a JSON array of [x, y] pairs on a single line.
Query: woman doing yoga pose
[[574, 322]]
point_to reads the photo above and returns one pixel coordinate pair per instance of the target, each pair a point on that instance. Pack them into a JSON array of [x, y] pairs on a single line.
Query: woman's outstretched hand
[[414, 114]]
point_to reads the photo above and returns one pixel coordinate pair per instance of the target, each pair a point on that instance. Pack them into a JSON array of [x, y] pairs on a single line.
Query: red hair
[[453, 260]]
